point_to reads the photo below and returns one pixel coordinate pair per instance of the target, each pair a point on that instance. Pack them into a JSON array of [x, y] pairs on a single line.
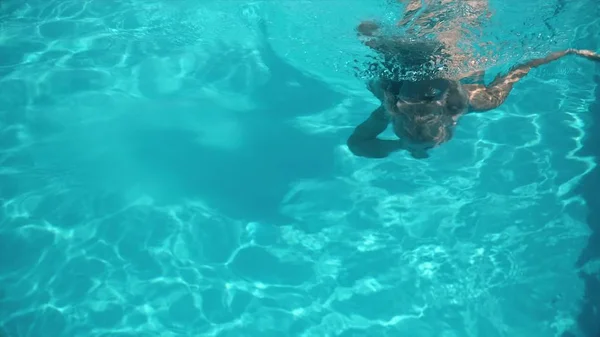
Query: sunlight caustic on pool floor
[[166, 170]]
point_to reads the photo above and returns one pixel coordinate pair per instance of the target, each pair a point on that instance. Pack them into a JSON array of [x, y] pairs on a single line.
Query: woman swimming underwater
[[424, 112]]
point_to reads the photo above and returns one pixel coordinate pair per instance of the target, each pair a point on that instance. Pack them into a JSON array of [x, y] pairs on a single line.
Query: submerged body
[[450, 22], [444, 28]]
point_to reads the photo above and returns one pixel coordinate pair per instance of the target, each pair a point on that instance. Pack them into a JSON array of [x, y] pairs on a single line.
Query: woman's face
[[423, 123], [421, 113]]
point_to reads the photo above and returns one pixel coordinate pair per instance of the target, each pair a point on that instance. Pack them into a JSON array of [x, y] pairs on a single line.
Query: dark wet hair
[[423, 91], [430, 90]]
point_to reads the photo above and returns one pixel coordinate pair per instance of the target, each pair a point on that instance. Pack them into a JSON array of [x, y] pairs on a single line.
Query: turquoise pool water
[[169, 170]]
